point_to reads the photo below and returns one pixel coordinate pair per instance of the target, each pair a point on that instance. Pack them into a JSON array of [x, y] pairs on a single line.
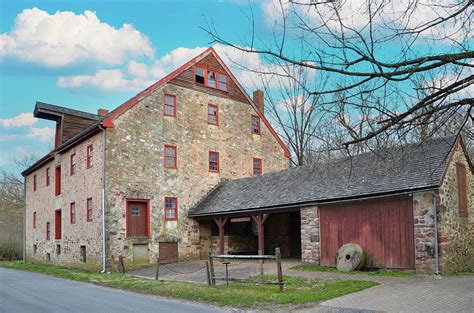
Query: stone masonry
[[310, 242], [135, 163], [424, 232], [86, 183]]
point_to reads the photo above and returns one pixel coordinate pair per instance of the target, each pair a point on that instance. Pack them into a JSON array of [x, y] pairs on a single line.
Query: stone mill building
[[191, 165]]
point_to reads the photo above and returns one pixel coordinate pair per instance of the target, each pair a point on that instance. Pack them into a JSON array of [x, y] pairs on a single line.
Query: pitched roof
[[395, 170], [50, 111], [109, 119]]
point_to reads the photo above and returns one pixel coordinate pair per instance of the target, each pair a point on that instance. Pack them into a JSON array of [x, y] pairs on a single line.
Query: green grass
[[380, 272], [297, 290]]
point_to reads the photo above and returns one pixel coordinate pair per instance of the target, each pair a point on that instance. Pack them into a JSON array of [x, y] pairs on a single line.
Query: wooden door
[[137, 219], [382, 227], [168, 252]]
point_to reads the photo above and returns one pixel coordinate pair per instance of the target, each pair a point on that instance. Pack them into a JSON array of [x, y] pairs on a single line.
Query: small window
[[35, 248], [170, 156], [211, 79], [171, 208], [58, 250], [257, 166], [223, 82], [48, 230], [89, 156], [255, 124], [212, 114], [199, 76], [462, 189], [34, 220], [89, 209], [83, 254], [135, 212], [48, 177], [73, 164], [213, 161], [170, 105], [72, 213], [34, 182]]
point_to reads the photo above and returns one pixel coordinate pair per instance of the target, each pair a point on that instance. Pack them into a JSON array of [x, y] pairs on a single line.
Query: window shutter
[[462, 189]]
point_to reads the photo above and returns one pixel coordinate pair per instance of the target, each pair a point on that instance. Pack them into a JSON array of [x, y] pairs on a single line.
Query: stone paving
[[395, 294]]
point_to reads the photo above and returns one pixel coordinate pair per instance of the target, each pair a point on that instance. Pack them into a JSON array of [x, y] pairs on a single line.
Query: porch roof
[[390, 171]]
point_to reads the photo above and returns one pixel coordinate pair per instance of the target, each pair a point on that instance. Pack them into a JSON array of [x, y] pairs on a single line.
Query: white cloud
[[65, 38], [21, 120], [43, 134]]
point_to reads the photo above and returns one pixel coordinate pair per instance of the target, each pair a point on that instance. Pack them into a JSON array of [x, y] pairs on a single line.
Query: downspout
[[435, 220], [24, 220], [103, 201]]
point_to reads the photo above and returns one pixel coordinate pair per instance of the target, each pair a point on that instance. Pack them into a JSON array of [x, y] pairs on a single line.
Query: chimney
[[258, 99], [102, 112]]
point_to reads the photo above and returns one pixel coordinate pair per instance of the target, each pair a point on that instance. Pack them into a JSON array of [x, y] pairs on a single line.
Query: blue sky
[[29, 74]]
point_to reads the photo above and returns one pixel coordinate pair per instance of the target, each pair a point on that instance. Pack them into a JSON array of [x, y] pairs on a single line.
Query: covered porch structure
[[252, 232]]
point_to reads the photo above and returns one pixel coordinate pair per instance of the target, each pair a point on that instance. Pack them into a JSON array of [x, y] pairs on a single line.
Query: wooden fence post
[[208, 274], [122, 265], [157, 274], [211, 269], [279, 271]]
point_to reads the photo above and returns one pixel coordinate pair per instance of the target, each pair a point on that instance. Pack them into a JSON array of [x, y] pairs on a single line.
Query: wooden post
[[260, 220], [211, 269], [157, 274], [279, 271], [208, 274], [221, 223], [122, 265]]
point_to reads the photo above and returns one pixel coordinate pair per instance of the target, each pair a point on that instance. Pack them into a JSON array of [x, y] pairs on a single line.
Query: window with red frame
[[257, 166], [73, 164], [212, 114], [170, 156], [34, 220], [170, 105], [48, 177], [255, 124], [171, 208], [48, 230], [57, 178], [72, 217], [89, 210], [213, 161], [211, 79], [89, 156], [34, 182], [462, 189]]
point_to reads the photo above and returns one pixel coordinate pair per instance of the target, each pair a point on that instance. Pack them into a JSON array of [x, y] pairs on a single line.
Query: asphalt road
[[30, 292]]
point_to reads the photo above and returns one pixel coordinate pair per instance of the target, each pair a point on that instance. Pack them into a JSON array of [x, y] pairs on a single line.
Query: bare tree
[[403, 66]]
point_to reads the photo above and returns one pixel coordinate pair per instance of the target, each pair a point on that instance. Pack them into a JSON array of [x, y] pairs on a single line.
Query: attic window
[[255, 124], [211, 79], [462, 189], [170, 105]]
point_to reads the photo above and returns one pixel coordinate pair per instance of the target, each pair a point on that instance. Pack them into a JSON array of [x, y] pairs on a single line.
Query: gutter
[[103, 202], [435, 221]]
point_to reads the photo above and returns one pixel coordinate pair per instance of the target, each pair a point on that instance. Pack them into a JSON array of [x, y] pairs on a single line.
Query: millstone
[[350, 257]]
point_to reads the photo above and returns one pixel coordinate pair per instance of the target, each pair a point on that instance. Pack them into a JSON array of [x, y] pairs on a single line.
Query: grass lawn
[[380, 272], [297, 290]]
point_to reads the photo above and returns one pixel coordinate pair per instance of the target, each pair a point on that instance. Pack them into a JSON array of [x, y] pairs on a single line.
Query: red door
[[137, 219], [168, 252], [57, 224], [382, 227]]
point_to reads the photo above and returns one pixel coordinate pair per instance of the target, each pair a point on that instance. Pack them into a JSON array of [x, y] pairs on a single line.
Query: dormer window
[[211, 79]]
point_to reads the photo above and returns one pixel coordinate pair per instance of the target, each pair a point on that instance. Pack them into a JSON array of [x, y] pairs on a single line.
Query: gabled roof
[[54, 112], [109, 119], [391, 171]]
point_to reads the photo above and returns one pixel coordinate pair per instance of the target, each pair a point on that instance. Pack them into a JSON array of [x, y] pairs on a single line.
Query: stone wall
[[456, 234], [424, 232], [135, 163], [310, 242], [86, 183], [11, 231]]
